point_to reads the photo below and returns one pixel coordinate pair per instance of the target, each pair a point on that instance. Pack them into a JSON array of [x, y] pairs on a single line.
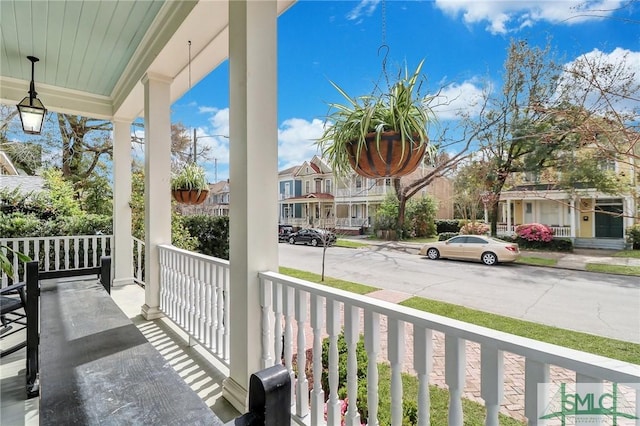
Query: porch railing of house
[[558, 231], [56, 253], [194, 294], [304, 313]]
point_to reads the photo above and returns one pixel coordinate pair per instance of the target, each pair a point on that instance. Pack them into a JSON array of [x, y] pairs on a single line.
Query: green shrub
[[18, 224], [212, 233], [633, 236], [446, 235], [475, 228], [447, 226], [420, 217], [556, 244]]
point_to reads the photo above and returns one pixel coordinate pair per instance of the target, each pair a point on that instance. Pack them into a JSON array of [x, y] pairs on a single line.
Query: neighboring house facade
[[590, 218], [216, 204], [11, 179], [310, 195], [306, 195]]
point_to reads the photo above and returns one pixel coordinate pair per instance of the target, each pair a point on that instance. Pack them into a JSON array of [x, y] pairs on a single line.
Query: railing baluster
[[454, 376], [278, 333], [66, 252], [422, 363], [372, 345], [535, 373], [56, 247], [224, 314], [265, 303], [351, 336], [288, 305], [396, 350], [492, 381], [333, 328], [317, 394], [76, 250], [209, 304], [302, 384]]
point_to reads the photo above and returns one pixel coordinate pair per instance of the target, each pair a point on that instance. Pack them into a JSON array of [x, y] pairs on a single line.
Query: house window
[[528, 208], [307, 187], [607, 164], [358, 182], [287, 190], [327, 186]]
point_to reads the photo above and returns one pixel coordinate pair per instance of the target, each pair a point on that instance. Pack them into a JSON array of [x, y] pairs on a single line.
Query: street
[[602, 304]]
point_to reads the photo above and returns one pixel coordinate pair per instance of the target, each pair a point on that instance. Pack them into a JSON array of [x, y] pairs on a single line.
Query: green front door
[[609, 221]]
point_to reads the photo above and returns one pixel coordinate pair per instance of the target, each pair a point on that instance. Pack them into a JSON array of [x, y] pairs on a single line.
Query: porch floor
[[197, 367]]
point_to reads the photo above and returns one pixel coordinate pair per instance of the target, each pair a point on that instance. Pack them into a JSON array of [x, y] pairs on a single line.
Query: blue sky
[[463, 42]]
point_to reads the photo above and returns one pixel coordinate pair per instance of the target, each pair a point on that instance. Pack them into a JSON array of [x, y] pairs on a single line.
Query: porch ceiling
[[94, 53]]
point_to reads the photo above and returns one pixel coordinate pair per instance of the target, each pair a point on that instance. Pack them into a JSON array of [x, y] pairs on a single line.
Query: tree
[[514, 133]]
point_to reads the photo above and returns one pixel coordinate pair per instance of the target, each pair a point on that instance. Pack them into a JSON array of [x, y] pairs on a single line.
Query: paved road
[[607, 305]]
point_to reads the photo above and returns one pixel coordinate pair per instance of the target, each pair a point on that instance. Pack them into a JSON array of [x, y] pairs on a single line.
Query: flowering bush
[[475, 228], [535, 232]]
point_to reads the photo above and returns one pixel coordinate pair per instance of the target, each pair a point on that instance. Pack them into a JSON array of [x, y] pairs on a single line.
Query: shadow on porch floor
[[197, 367]]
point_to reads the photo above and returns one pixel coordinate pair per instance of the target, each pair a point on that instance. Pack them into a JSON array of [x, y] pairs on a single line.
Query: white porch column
[[122, 244], [253, 170], [572, 217], [157, 194], [508, 217]]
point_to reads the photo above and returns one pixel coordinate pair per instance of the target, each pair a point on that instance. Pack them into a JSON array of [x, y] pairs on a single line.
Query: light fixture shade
[[32, 113]]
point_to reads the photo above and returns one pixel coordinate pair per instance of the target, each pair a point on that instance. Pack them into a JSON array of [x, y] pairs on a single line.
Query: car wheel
[[433, 253], [292, 240], [314, 242], [489, 258]]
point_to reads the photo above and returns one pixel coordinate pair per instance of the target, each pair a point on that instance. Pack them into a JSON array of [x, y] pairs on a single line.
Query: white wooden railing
[[194, 294], [57, 253], [305, 313], [558, 231]]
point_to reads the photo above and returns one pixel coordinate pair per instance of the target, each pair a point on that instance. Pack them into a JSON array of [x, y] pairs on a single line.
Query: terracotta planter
[[388, 159], [186, 196]]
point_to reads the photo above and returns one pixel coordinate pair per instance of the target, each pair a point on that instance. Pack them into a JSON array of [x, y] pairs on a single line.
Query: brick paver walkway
[[513, 398]]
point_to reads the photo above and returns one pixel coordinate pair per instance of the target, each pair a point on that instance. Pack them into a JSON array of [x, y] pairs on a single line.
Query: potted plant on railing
[[378, 135], [190, 186]]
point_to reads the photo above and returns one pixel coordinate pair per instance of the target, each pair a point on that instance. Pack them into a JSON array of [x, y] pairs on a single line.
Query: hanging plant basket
[[390, 158], [190, 196]]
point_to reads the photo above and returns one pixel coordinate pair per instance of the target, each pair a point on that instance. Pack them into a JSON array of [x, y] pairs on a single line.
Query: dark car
[[312, 236], [283, 232]]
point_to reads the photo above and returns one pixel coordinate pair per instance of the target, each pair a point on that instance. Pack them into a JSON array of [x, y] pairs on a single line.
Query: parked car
[[283, 232], [488, 250], [312, 236]]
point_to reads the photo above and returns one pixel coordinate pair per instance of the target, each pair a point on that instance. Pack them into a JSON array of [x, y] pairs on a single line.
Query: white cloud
[[296, 141], [508, 16], [363, 9], [610, 82], [456, 100]]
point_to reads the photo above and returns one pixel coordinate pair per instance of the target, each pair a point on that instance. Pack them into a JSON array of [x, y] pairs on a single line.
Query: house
[[589, 217], [216, 204], [306, 196], [11, 178]]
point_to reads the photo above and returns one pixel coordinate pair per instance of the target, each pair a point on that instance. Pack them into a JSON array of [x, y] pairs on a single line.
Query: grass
[[537, 261], [474, 413], [328, 281], [635, 254], [350, 243], [613, 269], [611, 348]]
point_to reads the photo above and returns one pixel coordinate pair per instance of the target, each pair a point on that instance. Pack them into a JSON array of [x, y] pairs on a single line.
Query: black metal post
[[105, 272], [33, 322]]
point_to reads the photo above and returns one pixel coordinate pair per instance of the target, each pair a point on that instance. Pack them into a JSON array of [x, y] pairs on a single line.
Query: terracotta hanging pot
[[386, 159], [190, 196]]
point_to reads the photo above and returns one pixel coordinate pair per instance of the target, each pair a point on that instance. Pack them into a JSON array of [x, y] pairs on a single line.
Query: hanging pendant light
[[31, 109]]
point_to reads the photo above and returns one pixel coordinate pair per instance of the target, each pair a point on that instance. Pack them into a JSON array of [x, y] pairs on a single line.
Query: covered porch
[[242, 314]]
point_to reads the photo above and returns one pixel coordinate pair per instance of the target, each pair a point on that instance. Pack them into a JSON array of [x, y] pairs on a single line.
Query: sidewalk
[[576, 260]]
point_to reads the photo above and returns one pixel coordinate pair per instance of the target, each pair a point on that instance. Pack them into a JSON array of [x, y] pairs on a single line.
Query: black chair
[[13, 317]]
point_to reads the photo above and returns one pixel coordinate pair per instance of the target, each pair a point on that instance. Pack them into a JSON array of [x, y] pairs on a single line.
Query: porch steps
[[600, 243]]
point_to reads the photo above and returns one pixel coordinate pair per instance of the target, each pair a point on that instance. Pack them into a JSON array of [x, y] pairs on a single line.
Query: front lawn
[[635, 254], [537, 261], [613, 269]]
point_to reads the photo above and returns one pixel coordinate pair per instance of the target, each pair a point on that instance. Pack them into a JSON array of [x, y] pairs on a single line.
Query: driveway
[[602, 304]]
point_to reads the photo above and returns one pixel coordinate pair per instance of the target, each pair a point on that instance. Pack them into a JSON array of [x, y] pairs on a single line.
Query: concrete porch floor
[[197, 367]]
